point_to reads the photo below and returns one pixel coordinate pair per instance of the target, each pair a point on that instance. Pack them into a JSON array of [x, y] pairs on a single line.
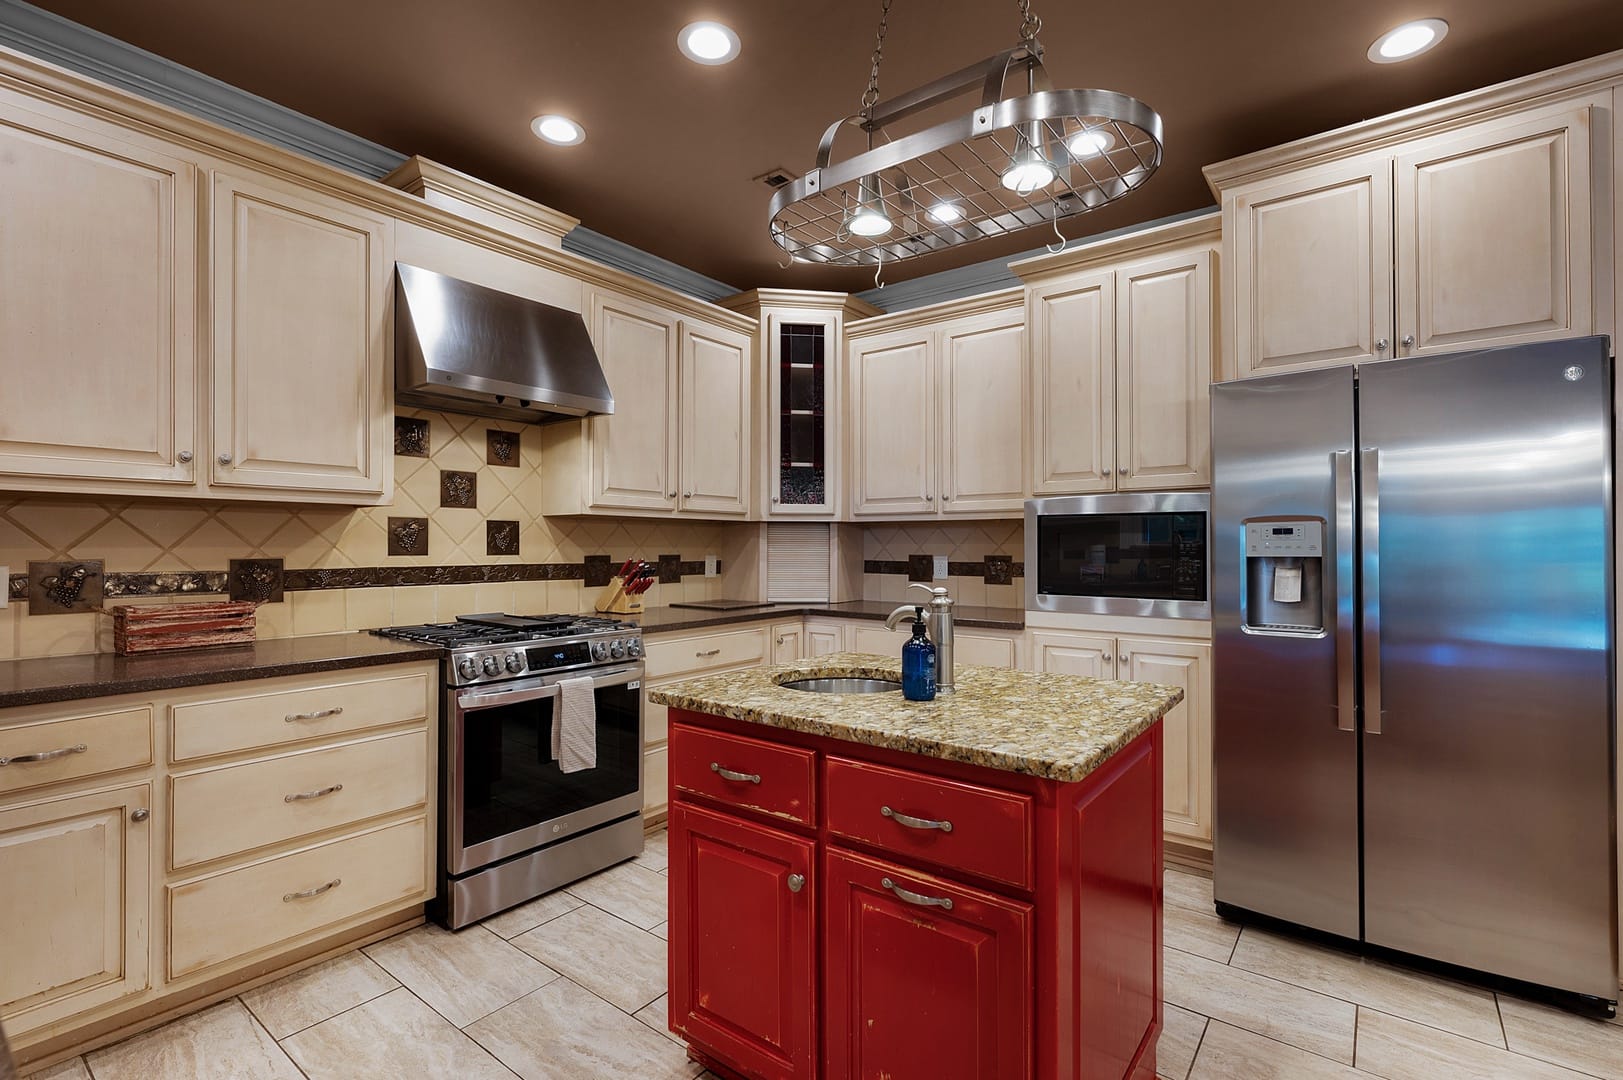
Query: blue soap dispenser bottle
[[918, 663]]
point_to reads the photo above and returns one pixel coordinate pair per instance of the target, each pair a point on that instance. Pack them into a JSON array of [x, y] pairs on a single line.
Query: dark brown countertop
[[664, 620], [69, 678]]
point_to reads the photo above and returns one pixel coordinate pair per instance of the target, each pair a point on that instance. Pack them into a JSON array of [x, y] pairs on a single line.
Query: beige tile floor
[[572, 987]]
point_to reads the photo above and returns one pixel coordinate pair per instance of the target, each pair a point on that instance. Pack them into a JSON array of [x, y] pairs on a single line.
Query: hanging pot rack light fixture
[[1012, 163]]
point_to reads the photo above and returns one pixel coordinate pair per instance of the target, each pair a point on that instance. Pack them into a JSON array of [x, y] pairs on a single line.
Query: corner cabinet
[[1122, 337], [938, 413], [1455, 235], [678, 441], [301, 357]]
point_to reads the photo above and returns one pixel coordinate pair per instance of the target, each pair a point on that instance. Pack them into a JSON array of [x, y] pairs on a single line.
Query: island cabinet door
[[742, 966], [923, 978]]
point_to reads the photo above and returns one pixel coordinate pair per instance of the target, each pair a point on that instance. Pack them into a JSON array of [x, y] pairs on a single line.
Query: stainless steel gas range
[[512, 824]]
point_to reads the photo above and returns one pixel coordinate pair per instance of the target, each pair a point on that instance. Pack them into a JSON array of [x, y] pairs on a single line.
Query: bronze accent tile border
[[994, 569], [258, 580], [64, 588]]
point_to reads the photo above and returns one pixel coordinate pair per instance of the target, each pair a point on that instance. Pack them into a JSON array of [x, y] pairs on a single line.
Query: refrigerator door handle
[[1370, 512], [1346, 646]]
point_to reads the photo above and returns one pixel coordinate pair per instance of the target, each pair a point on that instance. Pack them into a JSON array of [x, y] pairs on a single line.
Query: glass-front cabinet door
[[803, 350]]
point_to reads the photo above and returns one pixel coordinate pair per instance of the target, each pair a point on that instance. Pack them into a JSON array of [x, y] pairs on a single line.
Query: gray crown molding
[[622, 256], [988, 276]]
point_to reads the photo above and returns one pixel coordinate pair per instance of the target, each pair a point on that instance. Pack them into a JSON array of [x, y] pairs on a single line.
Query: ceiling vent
[[775, 178]]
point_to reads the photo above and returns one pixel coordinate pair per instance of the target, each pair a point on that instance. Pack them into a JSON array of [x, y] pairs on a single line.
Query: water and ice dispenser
[[1284, 575]]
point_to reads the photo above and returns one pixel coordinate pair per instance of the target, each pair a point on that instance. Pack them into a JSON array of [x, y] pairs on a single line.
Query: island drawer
[[780, 781], [296, 713], [52, 751], [235, 808], [978, 830], [230, 914], [707, 652]]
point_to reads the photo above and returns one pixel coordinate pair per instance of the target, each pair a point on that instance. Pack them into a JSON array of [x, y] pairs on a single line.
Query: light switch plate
[[711, 566], [5, 585], [940, 567]]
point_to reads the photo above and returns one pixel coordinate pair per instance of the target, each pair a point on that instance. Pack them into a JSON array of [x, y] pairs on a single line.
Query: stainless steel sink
[[843, 686]]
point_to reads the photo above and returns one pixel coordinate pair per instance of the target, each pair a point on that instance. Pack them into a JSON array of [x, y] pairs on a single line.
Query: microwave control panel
[[1295, 539]]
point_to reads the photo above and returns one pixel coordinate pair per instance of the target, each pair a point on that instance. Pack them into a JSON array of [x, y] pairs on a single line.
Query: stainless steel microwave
[[1139, 554]]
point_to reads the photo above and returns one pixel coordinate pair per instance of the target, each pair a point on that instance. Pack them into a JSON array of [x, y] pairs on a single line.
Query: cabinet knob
[[1121, 472], [184, 457], [797, 882], [224, 459], [140, 814], [1104, 472], [1408, 341], [687, 494], [1122, 658], [1382, 345], [671, 495], [929, 498], [775, 498]]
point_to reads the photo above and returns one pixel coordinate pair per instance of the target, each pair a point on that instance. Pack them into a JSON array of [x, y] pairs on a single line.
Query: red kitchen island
[[866, 888]]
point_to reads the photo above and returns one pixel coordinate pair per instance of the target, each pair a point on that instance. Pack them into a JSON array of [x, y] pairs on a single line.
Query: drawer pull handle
[[319, 714], [44, 755], [797, 882], [288, 898], [942, 902], [915, 822], [708, 652], [735, 777], [316, 794]]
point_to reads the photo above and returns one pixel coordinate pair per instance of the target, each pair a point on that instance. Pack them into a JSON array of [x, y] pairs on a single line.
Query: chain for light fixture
[[1014, 162]]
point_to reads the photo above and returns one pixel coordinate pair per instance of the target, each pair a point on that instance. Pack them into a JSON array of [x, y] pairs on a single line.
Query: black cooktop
[[501, 629]]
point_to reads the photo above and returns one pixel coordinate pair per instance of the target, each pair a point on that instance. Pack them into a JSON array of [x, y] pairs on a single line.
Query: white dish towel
[[574, 732]]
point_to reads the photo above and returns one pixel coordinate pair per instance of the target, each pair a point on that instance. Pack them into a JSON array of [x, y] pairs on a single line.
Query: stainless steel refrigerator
[[1413, 655]]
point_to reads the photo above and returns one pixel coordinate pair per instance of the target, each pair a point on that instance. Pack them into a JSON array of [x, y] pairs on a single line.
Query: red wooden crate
[[182, 626]]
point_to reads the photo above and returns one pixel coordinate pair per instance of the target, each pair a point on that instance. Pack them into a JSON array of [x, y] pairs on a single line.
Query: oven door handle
[[615, 677]]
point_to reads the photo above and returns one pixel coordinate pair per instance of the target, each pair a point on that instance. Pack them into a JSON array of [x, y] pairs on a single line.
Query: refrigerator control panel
[[1295, 539]]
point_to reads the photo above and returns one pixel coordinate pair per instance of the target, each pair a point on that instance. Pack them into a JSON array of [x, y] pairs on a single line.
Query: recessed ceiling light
[[708, 43], [558, 129], [946, 212], [1409, 40], [1089, 143]]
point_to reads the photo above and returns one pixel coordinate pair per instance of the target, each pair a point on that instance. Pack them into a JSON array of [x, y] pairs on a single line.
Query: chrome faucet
[[940, 623]]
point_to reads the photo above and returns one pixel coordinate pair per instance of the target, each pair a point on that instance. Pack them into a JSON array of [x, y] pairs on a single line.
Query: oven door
[[505, 794], [1138, 554]]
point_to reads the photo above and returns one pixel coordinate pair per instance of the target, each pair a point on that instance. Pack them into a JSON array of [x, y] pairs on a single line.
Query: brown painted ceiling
[[671, 145]]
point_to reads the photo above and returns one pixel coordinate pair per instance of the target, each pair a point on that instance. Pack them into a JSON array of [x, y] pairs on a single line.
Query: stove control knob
[[634, 648], [492, 665], [600, 650], [617, 648], [466, 668], [515, 663]]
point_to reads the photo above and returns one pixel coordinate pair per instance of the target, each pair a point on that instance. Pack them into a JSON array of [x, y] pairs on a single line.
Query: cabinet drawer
[[235, 808], [250, 721], [775, 780], [95, 744], [231, 914], [732, 648], [978, 830]]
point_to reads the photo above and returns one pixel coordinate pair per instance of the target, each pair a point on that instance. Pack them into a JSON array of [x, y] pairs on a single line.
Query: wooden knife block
[[615, 600]]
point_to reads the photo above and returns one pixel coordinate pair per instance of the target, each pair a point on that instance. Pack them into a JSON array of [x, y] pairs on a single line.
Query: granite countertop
[[1060, 727], [92, 675], [664, 620]]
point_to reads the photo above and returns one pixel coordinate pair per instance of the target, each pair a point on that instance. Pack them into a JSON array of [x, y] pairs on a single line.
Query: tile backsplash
[[149, 536], [888, 549]]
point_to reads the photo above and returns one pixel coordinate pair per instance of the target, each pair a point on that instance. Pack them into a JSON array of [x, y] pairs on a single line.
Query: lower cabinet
[[73, 904], [925, 976], [850, 912], [743, 966]]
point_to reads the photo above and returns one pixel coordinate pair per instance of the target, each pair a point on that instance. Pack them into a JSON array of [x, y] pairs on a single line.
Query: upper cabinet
[[938, 413], [98, 264], [301, 358], [1121, 357], [678, 441], [1455, 233]]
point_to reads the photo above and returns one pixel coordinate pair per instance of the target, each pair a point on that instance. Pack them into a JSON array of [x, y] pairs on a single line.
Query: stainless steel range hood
[[465, 348]]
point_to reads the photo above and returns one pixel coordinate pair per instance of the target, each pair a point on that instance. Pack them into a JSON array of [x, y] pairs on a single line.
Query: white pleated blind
[[797, 560]]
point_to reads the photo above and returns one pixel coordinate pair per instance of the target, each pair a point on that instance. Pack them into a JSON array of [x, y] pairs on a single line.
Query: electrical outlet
[[5, 585], [940, 567], [712, 566]]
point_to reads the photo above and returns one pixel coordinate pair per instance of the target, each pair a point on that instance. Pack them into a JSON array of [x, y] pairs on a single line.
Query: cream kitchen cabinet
[[937, 412], [1452, 235], [301, 343], [74, 899], [823, 637], [1187, 728], [1122, 354], [786, 641], [678, 442]]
